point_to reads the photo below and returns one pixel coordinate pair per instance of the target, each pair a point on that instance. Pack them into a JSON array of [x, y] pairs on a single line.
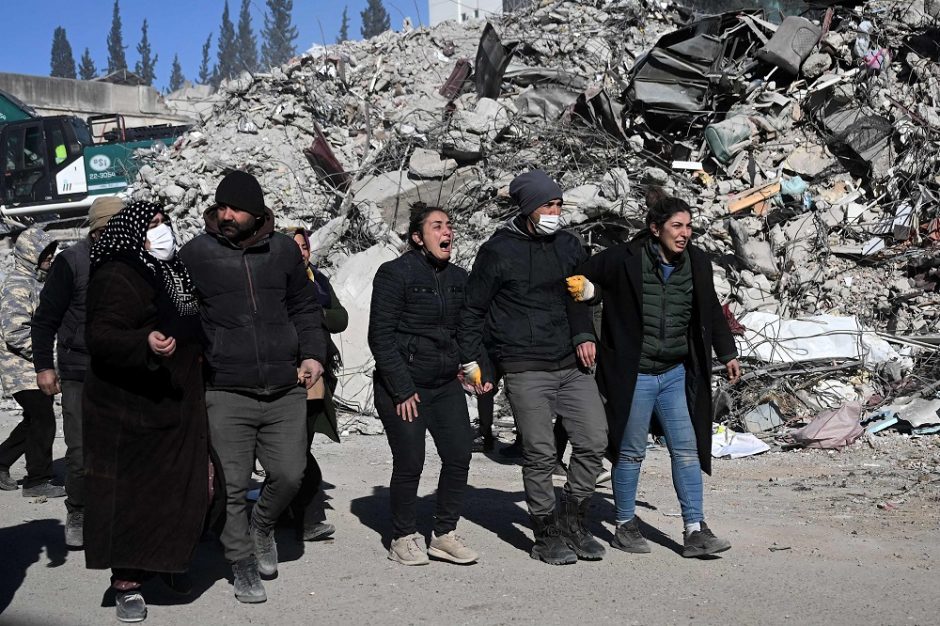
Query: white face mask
[[162, 242], [547, 224]]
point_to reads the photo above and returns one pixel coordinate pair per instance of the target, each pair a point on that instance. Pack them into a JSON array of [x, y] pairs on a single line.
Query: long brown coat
[[145, 433]]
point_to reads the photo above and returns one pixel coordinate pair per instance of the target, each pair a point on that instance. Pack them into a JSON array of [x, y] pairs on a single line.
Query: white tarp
[[726, 442], [775, 340], [353, 286]]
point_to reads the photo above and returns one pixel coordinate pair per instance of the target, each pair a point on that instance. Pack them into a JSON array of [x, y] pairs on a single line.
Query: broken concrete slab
[[429, 164]]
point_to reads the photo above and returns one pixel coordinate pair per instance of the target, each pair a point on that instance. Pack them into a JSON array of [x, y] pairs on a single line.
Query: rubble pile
[[808, 148]]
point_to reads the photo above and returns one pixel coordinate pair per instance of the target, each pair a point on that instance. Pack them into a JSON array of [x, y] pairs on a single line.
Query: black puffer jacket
[[517, 291], [259, 311], [413, 323]]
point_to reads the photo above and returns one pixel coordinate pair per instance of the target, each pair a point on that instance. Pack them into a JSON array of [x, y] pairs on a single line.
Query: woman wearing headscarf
[[661, 322], [308, 507], [147, 471]]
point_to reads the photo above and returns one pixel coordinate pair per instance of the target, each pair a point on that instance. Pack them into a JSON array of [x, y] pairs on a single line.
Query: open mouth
[[445, 244]]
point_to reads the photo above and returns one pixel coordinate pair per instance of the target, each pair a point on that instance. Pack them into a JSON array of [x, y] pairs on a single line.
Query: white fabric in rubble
[[726, 442], [772, 339]]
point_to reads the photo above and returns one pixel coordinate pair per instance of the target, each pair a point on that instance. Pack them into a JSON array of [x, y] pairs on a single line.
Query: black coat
[[618, 272], [259, 310], [145, 433], [518, 308], [413, 323]]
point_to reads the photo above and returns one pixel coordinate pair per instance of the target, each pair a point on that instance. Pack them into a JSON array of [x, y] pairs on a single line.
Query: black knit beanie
[[240, 190], [533, 189]]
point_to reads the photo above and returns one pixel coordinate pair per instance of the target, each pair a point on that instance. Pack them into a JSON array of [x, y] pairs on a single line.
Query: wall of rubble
[[808, 149]]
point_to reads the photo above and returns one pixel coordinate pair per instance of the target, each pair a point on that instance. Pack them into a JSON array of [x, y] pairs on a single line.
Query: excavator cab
[[41, 159]]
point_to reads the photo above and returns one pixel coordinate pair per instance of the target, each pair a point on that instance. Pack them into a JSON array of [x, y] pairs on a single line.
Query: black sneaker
[[248, 587], [74, 525], [6, 481], [560, 471], [44, 490], [130, 606], [318, 531], [265, 550], [703, 543], [629, 538], [513, 450]]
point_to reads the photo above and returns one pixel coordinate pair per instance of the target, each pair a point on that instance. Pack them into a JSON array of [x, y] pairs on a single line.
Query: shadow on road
[[23, 545]]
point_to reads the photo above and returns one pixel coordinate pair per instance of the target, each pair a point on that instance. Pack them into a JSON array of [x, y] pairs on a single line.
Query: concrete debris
[[818, 141]]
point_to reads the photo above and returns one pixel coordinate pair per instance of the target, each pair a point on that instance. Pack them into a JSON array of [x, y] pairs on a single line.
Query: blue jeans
[[666, 394]]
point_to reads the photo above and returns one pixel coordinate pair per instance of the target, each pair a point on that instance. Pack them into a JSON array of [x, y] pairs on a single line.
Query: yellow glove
[[472, 373], [580, 288]]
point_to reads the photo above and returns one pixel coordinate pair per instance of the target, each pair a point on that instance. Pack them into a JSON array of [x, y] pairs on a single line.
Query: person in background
[[59, 328], [34, 435], [147, 472], [660, 324], [416, 300], [309, 506]]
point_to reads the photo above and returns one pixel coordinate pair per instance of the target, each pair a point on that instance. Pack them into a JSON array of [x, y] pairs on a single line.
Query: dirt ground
[[818, 538]]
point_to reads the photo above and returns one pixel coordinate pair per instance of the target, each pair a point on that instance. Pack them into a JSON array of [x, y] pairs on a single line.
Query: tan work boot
[[408, 550], [449, 548]]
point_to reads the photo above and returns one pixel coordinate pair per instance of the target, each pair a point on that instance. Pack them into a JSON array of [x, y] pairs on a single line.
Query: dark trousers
[[74, 458], [486, 409], [443, 411], [33, 436], [309, 503], [273, 429]]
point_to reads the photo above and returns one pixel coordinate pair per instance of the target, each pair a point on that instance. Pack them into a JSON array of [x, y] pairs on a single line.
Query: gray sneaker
[[74, 535], [449, 547], [265, 550], [703, 543], [130, 606], [247, 582], [44, 490], [629, 538], [409, 550], [6, 481]]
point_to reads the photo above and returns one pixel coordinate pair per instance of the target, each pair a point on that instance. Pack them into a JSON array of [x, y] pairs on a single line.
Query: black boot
[[549, 545], [248, 587], [574, 532]]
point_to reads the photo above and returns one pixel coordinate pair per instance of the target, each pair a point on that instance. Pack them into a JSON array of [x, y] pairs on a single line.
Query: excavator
[[53, 167]]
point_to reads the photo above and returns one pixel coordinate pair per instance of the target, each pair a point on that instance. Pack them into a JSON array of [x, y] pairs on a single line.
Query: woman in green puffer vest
[[661, 323]]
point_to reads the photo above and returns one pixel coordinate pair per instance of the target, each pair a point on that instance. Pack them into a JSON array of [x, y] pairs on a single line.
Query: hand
[[408, 410], [473, 375], [309, 372], [587, 353], [734, 371], [160, 344], [48, 382], [580, 288]]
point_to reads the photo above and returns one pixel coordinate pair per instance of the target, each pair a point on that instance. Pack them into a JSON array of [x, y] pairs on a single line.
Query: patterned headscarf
[[123, 239]]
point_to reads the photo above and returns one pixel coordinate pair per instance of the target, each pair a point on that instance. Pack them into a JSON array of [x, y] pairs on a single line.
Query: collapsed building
[[808, 147]]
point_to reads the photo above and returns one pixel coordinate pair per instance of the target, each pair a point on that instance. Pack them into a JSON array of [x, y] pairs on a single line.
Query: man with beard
[[264, 345]]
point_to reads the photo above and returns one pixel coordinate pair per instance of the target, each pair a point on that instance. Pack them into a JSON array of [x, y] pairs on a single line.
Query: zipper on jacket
[[254, 329], [441, 315], [662, 317], [251, 287]]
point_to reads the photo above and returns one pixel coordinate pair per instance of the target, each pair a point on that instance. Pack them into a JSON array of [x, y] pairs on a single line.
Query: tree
[[344, 26], [279, 34], [145, 65], [87, 69], [246, 45], [205, 74], [226, 54], [176, 75], [375, 20], [63, 63], [116, 59]]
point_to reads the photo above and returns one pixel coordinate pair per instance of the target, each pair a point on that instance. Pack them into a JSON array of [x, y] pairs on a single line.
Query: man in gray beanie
[[542, 343]]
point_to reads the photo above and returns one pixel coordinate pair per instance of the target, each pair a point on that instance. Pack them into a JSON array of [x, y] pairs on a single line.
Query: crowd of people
[[183, 369]]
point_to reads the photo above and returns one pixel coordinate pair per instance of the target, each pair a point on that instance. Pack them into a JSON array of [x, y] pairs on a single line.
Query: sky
[[174, 27]]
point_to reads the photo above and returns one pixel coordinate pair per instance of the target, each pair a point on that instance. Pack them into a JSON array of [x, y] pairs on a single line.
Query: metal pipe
[[35, 209]]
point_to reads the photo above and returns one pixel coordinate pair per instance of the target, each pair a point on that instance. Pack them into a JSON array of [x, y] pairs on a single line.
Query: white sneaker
[[409, 550], [449, 547]]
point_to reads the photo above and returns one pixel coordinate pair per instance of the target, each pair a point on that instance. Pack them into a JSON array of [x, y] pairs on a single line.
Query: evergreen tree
[[375, 20], [279, 34], [226, 54], [87, 69], [246, 45], [176, 75], [63, 63], [116, 58], [145, 65], [205, 74], [344, 26]]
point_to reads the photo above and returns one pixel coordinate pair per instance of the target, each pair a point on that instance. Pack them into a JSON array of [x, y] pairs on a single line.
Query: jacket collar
[[211, 218]]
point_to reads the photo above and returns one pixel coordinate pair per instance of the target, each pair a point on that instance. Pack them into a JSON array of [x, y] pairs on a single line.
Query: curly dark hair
[[419, 214], [661, 206]]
